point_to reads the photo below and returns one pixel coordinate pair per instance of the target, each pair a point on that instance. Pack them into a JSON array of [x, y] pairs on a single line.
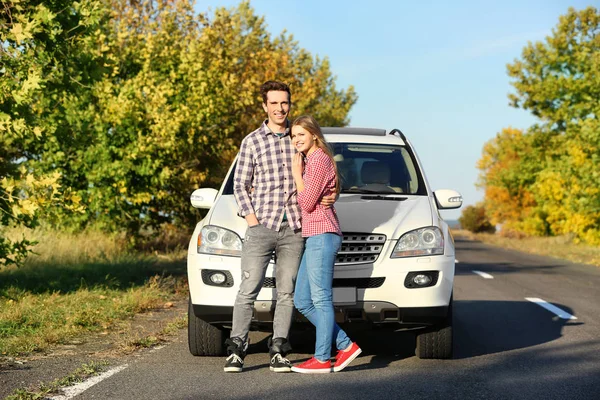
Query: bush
[[473, 219]]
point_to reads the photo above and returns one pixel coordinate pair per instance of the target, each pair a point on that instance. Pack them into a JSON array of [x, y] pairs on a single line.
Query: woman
[[315, 175]]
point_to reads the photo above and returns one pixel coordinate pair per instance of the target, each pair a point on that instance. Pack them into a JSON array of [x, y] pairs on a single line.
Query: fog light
[[422, 280], [218, 278]]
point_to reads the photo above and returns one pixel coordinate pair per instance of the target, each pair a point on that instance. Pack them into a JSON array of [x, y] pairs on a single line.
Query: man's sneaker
[[313, 366], [280, 364], [345, 357], [236, 350], [278, 350]]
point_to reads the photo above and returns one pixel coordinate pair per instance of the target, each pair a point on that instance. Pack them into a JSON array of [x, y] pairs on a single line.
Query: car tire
[[436, 343], [203, 338]]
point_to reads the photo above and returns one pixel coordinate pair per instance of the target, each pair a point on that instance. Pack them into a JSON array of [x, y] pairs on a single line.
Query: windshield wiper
[[390, 192], [387, 196], [357, 190]]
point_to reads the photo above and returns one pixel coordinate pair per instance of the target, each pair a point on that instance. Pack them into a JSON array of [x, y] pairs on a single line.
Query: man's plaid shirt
[[265, 164]]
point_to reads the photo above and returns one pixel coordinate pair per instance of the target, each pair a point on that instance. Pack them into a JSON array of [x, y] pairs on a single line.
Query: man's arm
[[242, 183], [328, 200]]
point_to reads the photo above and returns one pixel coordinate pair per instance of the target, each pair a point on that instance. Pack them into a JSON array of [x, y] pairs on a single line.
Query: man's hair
[[269, 86]]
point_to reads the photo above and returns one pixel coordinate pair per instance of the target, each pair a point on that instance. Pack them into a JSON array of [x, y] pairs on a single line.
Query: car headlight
[[215, 240], [420, 242]]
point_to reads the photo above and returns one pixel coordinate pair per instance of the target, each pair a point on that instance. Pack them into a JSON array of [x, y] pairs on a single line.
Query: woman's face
[[303, 140]]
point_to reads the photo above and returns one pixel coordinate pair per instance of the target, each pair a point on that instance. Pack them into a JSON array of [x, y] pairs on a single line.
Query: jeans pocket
[[253, 230]]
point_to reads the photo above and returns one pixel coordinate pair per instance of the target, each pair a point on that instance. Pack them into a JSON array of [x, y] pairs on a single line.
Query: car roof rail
[[352, 131], [399, 132]]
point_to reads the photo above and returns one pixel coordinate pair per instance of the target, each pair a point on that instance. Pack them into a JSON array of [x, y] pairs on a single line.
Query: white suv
[[395, 267]]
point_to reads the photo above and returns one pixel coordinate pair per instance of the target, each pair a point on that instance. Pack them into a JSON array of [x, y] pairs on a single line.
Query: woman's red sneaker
[[313, 366], [345, 357]]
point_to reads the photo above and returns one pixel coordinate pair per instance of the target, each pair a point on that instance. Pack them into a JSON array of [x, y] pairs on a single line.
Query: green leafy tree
[[45, 61], [130, 105], [181, 93], [557, 80]]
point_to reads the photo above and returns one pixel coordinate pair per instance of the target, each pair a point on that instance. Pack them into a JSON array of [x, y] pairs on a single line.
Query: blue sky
[[434, 69]]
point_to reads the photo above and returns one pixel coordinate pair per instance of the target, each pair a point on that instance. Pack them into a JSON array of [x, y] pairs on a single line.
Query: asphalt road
[[506, 347]]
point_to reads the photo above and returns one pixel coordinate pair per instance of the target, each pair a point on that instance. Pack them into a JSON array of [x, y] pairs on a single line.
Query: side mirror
[[203, 198], [448, 199]]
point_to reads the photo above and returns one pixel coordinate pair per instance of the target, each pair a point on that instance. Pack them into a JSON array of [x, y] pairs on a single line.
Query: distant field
[[558, 247]]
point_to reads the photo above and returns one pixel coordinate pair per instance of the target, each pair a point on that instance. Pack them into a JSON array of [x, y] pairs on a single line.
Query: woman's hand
[[297, 166]]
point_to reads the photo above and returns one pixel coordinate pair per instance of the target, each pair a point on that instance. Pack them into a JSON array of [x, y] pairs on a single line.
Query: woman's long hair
[[312, 126]]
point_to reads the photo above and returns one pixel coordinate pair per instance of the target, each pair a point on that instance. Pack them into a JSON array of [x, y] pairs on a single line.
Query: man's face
[[277, 106]]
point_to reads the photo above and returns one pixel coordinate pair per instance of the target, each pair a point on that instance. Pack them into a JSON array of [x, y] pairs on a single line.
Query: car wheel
[[203, 338], [437, 342]]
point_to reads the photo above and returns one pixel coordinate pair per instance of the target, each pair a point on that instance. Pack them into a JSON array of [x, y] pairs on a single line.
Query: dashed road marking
[[550, 307], [484, 275], [72, 391]]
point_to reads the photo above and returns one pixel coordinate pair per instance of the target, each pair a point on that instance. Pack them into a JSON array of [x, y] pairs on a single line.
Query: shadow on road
[[465, 268], [487, 327], [480, 328]]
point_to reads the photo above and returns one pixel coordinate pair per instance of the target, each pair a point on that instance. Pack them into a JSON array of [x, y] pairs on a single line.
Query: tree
[[509, 167], [45, 58], [558, 161], [130, 105], [180, 93], [473, 219], [557, 80]]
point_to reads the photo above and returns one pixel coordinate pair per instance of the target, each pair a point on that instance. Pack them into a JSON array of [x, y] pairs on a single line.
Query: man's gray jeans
[[259, 245]]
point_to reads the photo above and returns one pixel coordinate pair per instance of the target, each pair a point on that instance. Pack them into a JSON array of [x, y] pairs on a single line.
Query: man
[[266, 195]]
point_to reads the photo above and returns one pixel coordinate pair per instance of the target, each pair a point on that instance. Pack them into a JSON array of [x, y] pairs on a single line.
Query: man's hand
[[251, 219], [328, 200]]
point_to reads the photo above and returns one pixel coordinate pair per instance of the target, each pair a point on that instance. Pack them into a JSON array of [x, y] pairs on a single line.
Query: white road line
[[484, 275], [550, 307], [72, 391]]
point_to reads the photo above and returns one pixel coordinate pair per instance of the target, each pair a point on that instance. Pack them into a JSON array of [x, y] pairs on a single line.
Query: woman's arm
[[314, 182]]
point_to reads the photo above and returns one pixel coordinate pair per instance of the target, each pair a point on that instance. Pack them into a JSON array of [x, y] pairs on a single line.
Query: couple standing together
[[285, 185]]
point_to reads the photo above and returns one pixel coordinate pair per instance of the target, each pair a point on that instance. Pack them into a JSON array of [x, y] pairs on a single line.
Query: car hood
[[362, 214], [224, 214], [357, 214]]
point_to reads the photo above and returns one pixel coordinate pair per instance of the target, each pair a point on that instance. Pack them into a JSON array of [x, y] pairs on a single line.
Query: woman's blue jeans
[[313, 296]]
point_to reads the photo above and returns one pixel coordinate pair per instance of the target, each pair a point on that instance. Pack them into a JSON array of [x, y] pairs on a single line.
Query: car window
[[228, 189], [370, 168], [377, 168]]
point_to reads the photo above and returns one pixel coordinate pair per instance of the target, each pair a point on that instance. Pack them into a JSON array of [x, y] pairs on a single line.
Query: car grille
[[357, 248], [360, 248], [359, 283]]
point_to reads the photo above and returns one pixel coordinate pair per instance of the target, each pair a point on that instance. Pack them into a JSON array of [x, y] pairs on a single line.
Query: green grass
[[561, 247], [78, 284]]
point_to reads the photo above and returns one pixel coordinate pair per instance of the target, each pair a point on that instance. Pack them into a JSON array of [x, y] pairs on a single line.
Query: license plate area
[[344, 296]]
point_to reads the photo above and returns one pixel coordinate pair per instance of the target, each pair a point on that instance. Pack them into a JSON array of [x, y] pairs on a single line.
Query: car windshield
[[377, 168], [371, 169]]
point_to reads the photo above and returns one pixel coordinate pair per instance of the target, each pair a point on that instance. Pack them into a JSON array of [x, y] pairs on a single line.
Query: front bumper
[[371, 311]]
